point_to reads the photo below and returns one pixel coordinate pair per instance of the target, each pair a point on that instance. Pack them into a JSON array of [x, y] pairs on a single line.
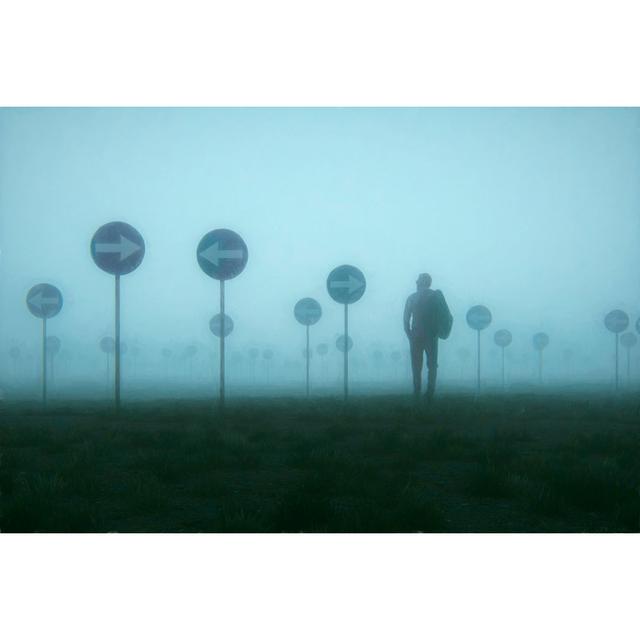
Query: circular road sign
[[340, 344], [53, 345], [628, 340], [222, 254], [267, 354], [108, 344], [44, 301], [14, 352], [479, 317], [215, 325], [166, 353], [117, 248], [502, 338], [346, 284], [322, 349], [616, 321], [190, 351], [540, 341], [254, 352], [307, 311]]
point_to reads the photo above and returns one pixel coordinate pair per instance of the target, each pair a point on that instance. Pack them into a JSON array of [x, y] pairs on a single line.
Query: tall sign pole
[[118, 249], [53, 348], [616, 321], [346, 284], [540, 343], [628, 341], [503, 339], [222, 254], [307, 312], [44, 301], [478, 318], [221, 325]]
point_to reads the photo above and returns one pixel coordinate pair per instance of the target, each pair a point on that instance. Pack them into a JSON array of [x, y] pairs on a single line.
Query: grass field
[[524, 463]]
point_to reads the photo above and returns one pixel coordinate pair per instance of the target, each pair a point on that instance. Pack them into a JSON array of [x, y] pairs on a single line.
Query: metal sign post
[[307, 312], [118, 249], [346, 284], [44, 301], [222, 254], [478, 318], [616, 321], [503, 339], [540, 343], [628, 341]]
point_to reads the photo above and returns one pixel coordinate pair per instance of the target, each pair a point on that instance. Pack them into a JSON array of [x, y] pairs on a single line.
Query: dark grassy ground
[[525, 463]]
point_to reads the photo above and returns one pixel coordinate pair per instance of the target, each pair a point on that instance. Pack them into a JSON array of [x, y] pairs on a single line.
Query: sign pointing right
[[124, 247], [351, 284], [346, 284]]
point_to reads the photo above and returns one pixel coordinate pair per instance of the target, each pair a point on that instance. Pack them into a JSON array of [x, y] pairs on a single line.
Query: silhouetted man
[[426, 318]]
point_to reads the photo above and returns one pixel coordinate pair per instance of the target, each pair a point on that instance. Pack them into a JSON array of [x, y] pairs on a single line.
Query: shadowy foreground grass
[[380, 464]]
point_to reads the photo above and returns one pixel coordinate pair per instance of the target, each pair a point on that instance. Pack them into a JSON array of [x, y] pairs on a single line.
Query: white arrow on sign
[[214, 254], [125, 247], [39, 301], [352, 284]]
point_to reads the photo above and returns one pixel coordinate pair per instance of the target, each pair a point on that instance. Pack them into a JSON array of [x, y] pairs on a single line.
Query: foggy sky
[[532, 212]]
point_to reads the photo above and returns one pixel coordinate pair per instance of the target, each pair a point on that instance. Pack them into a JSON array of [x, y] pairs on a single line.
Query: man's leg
[[431, 349], [417, 347]]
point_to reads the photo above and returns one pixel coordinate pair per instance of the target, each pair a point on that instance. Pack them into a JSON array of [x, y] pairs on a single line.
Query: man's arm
[[407, 315]]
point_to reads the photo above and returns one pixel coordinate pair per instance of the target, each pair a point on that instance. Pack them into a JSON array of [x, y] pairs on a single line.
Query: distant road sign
[[307, 311], [166, 353], [346, 284], [479, 317], [108, 345], [502, 338], [322, 349], [14, 352], [222, 254], [117, 248], [340, 344], [628, 340], [616, 321], [190, 351], [540, 341], [44, 301], [53, 345], [254, 352], [267, 354], [215, 325]]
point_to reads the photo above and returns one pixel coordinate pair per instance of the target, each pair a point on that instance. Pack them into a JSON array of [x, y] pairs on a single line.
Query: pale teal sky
[[533, 212]]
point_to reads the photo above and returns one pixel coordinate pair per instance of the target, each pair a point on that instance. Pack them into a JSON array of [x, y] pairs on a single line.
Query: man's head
[[423, 281]]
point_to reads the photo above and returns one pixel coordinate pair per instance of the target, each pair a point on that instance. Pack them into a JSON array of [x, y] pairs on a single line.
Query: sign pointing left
[[44, 301], [213, 253]]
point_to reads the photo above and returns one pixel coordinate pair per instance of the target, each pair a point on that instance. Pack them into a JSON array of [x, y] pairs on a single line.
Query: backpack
[[443, 317]]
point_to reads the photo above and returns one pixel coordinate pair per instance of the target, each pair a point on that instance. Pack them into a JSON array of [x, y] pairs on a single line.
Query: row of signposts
[[118, 249], [616, 321]]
